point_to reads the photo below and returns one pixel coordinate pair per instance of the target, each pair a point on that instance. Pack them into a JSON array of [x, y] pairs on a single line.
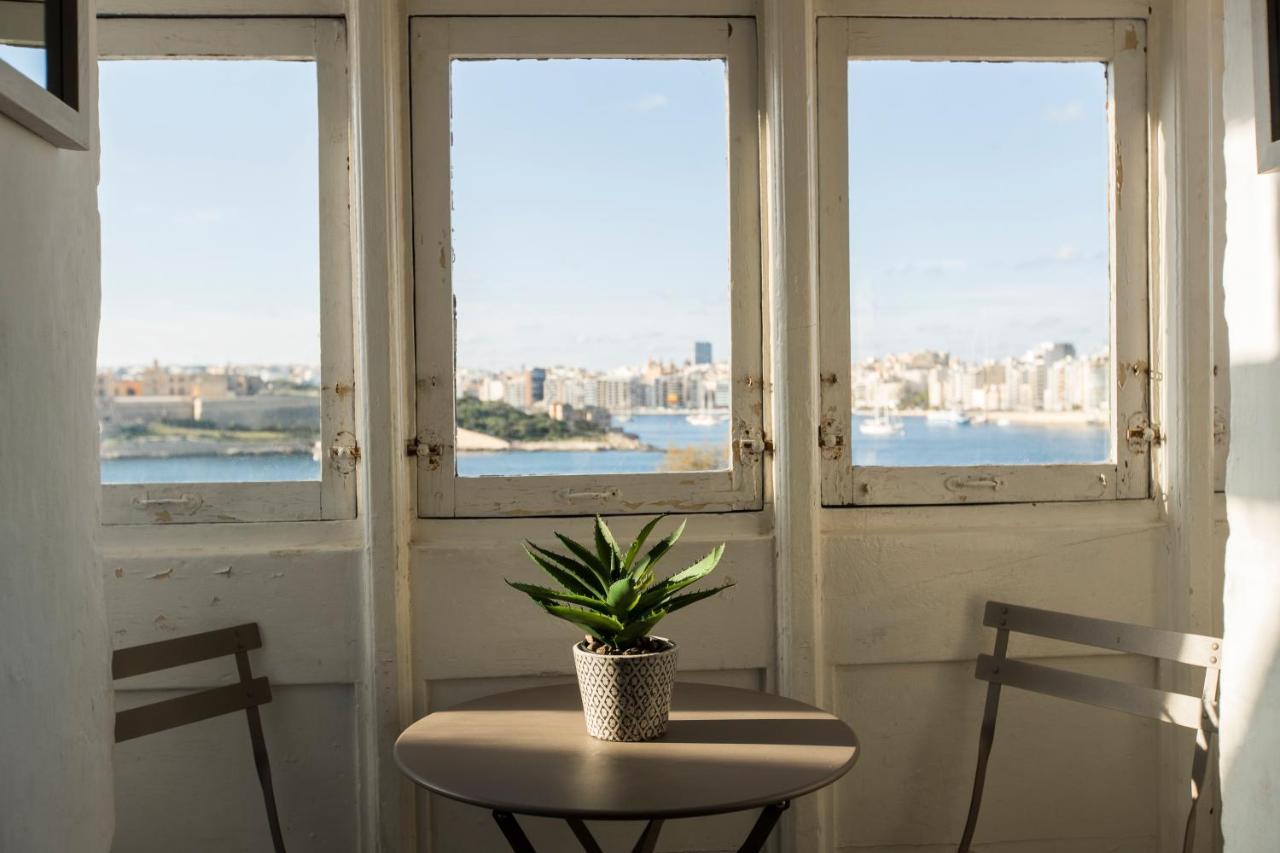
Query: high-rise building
[[702, 352]]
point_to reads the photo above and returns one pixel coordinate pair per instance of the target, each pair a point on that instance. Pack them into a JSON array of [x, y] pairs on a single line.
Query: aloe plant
[[610, 591]]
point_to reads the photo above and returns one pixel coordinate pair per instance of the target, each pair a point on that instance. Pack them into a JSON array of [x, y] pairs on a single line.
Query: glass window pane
[[979, 262], [23, 40], [209, 350], [591, 265]]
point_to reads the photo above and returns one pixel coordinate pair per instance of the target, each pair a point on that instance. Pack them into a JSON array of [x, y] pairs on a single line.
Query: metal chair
[[1180, 709], [246, 695]]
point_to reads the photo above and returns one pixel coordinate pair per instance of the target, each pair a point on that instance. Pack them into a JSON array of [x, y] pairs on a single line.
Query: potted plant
[[625, 674]]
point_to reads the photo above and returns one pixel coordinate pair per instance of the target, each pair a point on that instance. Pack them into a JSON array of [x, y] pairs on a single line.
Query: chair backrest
[[1166, 705], [997, 669], [248, 692], [245, 695]]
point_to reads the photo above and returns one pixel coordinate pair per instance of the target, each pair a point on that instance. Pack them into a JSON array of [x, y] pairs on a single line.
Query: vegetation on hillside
[[507, 422], [678, 459]]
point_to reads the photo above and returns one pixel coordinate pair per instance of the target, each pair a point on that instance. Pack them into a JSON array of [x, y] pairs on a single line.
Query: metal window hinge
[[830, 438], [1142, 433], [344, 453]]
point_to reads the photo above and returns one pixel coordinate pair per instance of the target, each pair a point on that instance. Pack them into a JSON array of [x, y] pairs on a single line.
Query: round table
[[726, 750]]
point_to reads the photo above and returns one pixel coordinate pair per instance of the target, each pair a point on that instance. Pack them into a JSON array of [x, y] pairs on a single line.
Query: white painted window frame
[[1268, 148], [59, 119], [1120, 43], [434, 42], [322, 40]]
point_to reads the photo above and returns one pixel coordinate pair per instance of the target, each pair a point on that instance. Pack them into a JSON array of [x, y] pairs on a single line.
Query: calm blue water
[[211, 469], [922, 443]]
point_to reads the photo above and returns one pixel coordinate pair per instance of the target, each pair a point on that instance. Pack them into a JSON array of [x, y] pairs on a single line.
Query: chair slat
[[1162, 705], [1194, 649], [139, 660], [192, 708]]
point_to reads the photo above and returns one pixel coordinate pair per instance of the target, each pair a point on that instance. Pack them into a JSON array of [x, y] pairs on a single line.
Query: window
[[43, 68], [983, 264], [587, 266], [225, 377]]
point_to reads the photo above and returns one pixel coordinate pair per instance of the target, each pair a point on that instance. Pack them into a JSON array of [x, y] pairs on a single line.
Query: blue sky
[[31, 61], [209, 212], [978, 206], [590, 210]]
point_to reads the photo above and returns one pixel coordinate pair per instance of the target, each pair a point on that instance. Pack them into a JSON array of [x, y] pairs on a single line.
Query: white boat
[[882, 424], [702, 420], [952, 417], [1003, 422]]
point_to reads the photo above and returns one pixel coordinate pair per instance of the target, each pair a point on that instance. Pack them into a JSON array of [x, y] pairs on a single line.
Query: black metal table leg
[[584, 836], [648, 840], [764, 825], [515, 835]]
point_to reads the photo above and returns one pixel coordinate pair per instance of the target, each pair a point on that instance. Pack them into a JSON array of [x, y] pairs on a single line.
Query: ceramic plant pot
[[626, 697]]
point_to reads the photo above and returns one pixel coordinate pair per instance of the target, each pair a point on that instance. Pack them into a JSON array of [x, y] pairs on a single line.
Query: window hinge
[[1142, 433], [830, 438], [344, 453]]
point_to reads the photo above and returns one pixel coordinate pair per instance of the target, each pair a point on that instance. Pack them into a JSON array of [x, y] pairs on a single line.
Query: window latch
[[1142, 434], [750, 446]]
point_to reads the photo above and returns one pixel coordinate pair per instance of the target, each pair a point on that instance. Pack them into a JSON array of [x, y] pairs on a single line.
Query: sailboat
[[882, 424]]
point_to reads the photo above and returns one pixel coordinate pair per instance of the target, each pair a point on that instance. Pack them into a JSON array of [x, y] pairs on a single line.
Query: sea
[[920, 443]]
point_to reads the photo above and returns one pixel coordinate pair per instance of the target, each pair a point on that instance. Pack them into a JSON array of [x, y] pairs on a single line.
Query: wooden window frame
[[1266, 81], [434, 42], [55, 113], [1120, 43], [333, 496]]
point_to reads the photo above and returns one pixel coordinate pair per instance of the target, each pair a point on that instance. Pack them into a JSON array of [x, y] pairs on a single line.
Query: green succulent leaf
[[630, 558], [606, 625], [636, 630], [623, 596], [699, 570], [657, 552], [567, 579], [543, 595], [607, 548], [585, 574], [590, 560], [610, 592], [671, 605]]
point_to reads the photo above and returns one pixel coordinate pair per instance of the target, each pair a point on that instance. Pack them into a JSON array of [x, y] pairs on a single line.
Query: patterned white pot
[[626, 697]]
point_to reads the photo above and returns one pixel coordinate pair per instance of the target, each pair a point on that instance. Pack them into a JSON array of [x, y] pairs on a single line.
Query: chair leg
[[260, 760], [985, 740], [1204, 741]]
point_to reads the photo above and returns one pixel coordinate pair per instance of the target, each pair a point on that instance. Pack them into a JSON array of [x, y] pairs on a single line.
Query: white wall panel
[[195, 788]]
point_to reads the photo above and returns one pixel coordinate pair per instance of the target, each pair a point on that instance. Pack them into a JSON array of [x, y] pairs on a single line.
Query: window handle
[[956, 484], [184, 500], [603, 495]]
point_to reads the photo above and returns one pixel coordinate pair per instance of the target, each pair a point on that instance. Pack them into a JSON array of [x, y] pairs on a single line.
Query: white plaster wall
[[1250, 762], [55, 700]]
